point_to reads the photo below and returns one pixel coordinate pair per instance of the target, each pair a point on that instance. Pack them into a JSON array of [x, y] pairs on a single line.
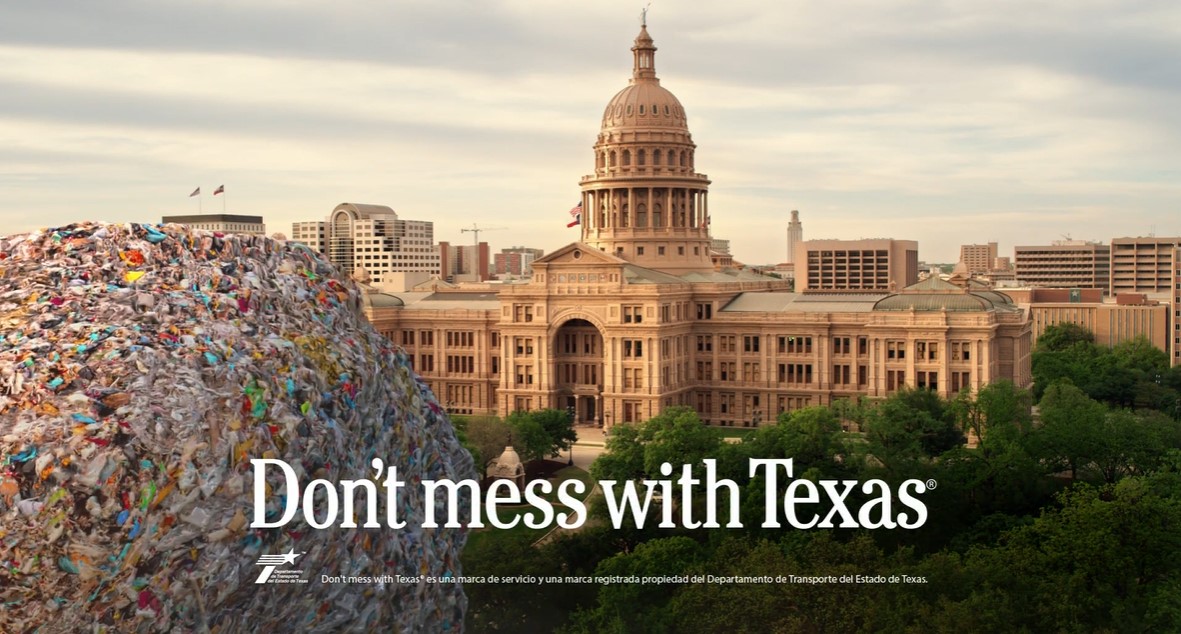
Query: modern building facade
[[1112, 322], [634, 317], [978, 259], [465, 263], [515, 261], [1175, 335], [1064, 264], [1144, 265], [224, 223], [875, 265], [1151, 265], [312, 233], [371, 240]]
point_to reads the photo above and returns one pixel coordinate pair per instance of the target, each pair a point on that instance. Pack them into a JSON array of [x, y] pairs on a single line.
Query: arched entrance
[[578, 370]]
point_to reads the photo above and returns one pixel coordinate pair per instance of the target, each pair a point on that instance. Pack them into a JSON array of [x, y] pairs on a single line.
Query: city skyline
[[943, 125]]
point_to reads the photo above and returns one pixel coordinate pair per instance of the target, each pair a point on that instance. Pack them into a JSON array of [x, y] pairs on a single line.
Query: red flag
[[195, 192], [221, 189]]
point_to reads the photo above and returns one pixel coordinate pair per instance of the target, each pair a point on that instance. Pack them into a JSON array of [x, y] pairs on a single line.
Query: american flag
[[576, 210], [221, 189]]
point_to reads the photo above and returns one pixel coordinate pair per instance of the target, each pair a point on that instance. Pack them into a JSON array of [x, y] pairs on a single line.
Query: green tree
[[636, 607], [486, 436], [1060, 337], [530, 438], [541, 433], [999, 414], [559, 425], [1140, 355], [1071, 435], [623, 458], [1108, 560], [909, 425], [676, 436], [812, 437]]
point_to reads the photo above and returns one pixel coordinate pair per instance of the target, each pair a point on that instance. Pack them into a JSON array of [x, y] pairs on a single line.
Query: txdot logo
[[271, 562]]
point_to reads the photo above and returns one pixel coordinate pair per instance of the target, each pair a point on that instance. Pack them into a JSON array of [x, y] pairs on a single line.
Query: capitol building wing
[[636, 316]]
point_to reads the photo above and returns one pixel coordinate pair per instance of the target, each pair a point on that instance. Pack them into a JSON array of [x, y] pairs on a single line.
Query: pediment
[[577, 254]]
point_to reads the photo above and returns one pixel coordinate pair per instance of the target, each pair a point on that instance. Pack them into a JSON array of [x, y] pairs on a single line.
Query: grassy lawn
[[569, 473]]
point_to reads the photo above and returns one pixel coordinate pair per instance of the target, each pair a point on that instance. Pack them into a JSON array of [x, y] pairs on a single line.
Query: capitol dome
[[645, 202], [644, 102]]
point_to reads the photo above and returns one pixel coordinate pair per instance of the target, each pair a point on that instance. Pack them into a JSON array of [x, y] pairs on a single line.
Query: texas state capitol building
[[634, 317]]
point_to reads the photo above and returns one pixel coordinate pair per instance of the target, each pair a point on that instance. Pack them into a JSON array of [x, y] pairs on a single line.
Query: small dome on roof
[[924, 302], [934, 294], [508, 465], [372, 298]]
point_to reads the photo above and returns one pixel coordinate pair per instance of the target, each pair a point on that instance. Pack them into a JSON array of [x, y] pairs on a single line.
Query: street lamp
[[570, 413]]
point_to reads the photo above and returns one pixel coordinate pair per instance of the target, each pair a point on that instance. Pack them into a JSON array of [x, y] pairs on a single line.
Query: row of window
[[588, 343], [613, 159]]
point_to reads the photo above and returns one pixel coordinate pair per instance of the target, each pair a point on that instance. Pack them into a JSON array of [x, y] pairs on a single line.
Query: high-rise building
[[1151, 265], [978, 259], [224, 223], [1064, 264], [875, 265], [464, 263], [313, 233], [634, 317], [373, 239], [1143, 265], [795, 235], [1175, 335], [515, 260]]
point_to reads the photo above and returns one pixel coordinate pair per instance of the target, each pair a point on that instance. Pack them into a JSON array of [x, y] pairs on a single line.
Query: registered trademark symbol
[[931, 484]]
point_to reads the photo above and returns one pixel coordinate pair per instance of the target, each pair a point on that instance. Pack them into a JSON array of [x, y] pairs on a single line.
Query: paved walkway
[[589, 445]]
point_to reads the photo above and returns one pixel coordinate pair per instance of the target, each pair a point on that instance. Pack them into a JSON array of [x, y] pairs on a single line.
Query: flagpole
[[200, 204]]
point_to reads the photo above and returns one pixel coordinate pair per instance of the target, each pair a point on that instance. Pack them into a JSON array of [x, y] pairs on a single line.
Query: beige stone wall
[[734, 368], [1111, 323]]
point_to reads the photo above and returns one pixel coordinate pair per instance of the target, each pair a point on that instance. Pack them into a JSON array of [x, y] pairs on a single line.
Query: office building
[[876, 265], [371, 241], [516, 261], [978, 259], [1064, 264]]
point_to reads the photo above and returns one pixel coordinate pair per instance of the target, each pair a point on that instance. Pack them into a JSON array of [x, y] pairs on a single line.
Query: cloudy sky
[[947, 122]]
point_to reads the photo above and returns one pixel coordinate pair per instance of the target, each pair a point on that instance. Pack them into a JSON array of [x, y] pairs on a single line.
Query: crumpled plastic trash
[[141, 368]]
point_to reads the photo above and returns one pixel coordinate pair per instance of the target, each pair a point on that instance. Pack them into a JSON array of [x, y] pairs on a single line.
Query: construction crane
[[477, 229]]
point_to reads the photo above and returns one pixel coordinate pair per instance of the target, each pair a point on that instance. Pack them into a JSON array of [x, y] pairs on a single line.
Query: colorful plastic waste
[[141, 368]]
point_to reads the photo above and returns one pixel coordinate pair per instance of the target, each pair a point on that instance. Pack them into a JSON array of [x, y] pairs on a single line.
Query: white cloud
[[947, 122]]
